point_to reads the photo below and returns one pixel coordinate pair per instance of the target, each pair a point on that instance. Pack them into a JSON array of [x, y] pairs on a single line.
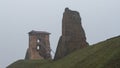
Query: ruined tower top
[[67, 9], [33, 32], [70, 12]]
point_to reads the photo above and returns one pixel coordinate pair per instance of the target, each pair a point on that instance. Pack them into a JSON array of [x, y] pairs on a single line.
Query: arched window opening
[[38, 40], [38, 47]]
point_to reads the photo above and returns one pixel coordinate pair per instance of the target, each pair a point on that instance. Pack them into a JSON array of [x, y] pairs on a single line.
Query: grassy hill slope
[[105, 54]]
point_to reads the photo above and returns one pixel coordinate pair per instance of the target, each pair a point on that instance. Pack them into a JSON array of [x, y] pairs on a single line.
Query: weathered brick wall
[[39, 46]]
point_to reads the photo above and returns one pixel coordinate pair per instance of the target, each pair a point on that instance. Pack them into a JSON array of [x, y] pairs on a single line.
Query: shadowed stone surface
[[73, 36]]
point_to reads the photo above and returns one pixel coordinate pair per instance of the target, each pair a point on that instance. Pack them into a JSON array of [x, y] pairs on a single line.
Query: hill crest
[[105, 54]]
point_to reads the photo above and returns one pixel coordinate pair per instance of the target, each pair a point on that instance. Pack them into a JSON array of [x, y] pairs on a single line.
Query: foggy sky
[[100, 20]]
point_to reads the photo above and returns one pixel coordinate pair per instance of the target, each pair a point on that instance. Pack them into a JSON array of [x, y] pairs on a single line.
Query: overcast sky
[[100, 19]]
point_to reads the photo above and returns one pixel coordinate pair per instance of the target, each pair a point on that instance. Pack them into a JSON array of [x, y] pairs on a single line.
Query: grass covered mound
[[105, 54], [28, 63]]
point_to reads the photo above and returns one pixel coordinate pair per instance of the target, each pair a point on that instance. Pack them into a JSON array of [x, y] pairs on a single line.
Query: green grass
[[28, 63], [105, 54]]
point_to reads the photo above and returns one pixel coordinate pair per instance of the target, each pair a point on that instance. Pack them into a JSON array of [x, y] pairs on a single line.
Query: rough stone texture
[[39, 45], [73, 36]]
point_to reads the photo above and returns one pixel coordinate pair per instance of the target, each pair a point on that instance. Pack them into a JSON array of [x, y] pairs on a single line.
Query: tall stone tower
[[73, 35], [39, 45]]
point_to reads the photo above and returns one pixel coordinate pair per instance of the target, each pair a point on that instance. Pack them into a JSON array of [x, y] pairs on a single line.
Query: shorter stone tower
[[39, 45]]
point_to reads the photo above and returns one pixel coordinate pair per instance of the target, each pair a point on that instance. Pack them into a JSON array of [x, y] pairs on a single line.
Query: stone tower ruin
[[73, 35], [39, 45]]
